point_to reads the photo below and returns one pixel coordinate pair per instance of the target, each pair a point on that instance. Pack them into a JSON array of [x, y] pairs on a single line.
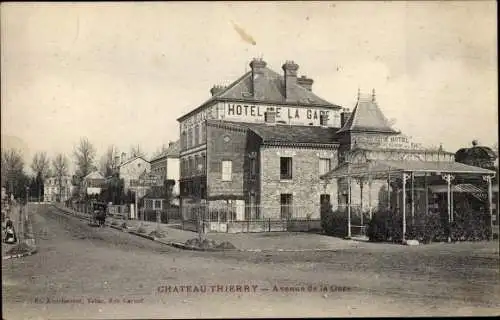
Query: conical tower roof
[[367, 117]]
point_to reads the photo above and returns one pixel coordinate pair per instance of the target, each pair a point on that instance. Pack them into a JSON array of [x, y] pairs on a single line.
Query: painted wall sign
[[387, 142], [248, 111]]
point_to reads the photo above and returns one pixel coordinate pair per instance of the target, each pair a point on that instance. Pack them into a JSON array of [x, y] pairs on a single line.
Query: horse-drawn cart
[[99, 212]]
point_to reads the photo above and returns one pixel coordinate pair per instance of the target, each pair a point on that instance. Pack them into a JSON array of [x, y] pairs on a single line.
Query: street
[[86, 272]]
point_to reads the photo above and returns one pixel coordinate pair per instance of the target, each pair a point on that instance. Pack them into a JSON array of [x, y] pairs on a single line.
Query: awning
[[385, 167], [463, 188]]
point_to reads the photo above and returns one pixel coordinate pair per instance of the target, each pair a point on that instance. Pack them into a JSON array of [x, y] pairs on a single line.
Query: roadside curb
[[182, 246], [143, 235], [20, 255]]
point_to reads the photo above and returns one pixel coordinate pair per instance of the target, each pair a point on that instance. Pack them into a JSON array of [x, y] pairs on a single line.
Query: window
[[286, 205], [202, 133], [285, 168], [324, 199], [157, 204], [197, 135], [183, 140], [203, 163], [253, 167], [227, 168], [190, 138], [324, 166], [323, 119], [191, 169]]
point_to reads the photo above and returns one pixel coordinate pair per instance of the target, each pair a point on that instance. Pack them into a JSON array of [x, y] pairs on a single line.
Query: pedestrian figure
[[10, 233]]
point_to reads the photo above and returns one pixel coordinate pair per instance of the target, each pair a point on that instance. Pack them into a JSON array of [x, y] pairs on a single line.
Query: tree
[[135, 151], [84, 155], [109, 161], [13, 177], [41, 167], [60, 165]]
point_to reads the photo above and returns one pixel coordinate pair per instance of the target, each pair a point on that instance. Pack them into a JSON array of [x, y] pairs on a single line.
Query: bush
[[158, 234], [141, 229], [124, 225], [114, 223], [333, 222], [385, 225]]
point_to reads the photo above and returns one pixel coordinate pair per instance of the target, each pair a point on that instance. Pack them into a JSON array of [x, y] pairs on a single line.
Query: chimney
[[305, 82], [170, 144], [290, 68], [344, 116], [258, 84], [270, 115], [124, 155], [216, 89]]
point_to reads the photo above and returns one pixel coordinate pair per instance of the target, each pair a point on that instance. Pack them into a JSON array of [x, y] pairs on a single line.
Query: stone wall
[[305, 185]]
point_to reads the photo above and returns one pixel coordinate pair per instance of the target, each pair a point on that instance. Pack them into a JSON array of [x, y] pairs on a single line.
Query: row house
[[55, 189], [167, 165]]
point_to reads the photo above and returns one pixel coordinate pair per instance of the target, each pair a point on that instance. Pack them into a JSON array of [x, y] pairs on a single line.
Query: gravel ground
[[87, 272]]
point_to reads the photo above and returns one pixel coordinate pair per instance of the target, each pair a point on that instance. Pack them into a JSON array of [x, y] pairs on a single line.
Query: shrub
[[141, 229], [158, 234], [333, 222], [385, 225], [114, 223], [124, 225]]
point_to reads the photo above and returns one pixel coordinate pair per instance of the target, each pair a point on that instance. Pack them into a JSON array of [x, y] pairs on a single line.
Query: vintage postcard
[[249, 159]]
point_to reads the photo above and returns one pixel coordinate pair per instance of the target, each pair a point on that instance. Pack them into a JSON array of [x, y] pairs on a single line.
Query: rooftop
[[172, 151], [367, 116], [271, 86], [287, 134]]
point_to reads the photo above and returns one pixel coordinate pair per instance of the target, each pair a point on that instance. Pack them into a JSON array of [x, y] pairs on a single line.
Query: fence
[[235, 218]]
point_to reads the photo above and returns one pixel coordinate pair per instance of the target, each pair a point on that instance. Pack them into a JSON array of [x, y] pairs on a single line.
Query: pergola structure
[[409, 170]]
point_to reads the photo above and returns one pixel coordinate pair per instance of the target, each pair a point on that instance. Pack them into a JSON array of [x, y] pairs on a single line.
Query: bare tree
[[60, 166], [160, 150], [84, 155], [41, 167], [12, 169], [109, 161], [135, 151]]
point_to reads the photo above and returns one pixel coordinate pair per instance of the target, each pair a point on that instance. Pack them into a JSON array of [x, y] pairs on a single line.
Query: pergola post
[[348, 199], [404, 178], [448, 177], [361, 182], [412, 198], [389, 191], [490, 203], [426, 187], [370, 196]]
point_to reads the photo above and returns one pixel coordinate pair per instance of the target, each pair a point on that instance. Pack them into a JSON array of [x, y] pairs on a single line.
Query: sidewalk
[[268, 241], [21, 217]]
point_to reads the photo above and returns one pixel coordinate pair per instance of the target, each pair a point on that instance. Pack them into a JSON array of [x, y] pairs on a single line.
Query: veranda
[[417, 189]]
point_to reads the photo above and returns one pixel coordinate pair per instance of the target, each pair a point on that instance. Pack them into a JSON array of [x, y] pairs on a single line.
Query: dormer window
[[323, 119], [270, 115]]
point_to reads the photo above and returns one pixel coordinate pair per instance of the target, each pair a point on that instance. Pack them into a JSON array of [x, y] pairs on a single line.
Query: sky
[[122, 73]]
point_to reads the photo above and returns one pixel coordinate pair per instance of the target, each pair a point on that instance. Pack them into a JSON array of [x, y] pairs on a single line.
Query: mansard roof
[[367, 117], [272, 84]]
